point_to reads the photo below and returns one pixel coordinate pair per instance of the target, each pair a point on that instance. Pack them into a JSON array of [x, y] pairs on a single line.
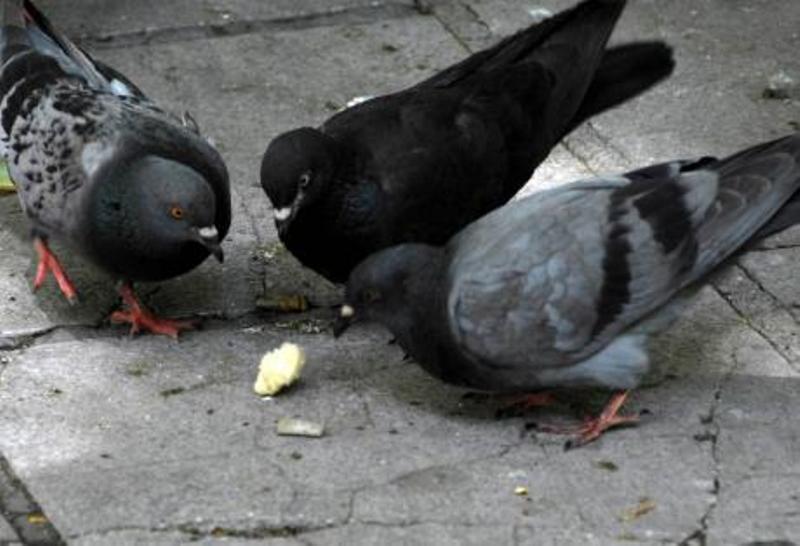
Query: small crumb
[[37, 518], [172, 392], [423, 7], [539, 14], [291, 303], [645, 506], [521, 491], [781, 86], [355, 101], [606, 465], [279, 369], [298, 427], [296, 455], [389, 48]]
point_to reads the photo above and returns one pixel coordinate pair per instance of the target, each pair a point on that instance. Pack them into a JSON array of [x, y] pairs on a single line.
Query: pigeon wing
[[551, 279]]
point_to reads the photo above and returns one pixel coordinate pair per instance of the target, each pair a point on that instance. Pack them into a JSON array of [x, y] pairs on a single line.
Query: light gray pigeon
[[563, 288], [100, 167]]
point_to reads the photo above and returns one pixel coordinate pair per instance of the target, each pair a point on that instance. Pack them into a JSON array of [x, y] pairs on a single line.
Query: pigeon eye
[[371, 296], [176, 212], [305, 180]]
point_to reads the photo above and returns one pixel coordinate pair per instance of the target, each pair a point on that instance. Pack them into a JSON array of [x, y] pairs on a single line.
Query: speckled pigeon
[[563, 288], [103, 169], [420, 164]]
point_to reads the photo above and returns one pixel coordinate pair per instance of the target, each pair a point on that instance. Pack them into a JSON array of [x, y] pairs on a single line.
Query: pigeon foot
[[593, 428], [533, 400], [142, 319], [514, 405], [49, 263]]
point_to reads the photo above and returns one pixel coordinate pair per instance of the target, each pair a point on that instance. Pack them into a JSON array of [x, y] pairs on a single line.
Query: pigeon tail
[[755, 186], [625, 72], [13, 36], [47, 39]]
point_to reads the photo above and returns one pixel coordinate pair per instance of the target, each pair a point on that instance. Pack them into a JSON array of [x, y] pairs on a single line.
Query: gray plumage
[[563, 288], [97, 164]]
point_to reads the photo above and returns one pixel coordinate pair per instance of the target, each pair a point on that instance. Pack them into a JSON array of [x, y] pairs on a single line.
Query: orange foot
[[514, 405], [593, 428], [140, 318], [49, 263]]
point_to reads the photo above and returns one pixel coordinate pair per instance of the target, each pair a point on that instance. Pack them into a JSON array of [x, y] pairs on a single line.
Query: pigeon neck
[[426, 316]]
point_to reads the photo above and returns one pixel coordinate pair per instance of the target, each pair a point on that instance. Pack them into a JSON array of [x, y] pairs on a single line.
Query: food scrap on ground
[[6, 185], [292, 303], [645, 506], [279, 369], [288, 426]]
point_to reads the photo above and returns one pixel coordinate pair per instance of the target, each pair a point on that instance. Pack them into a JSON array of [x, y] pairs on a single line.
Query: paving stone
[[759, 472], [7, 534], [414, 535], [114, 17]]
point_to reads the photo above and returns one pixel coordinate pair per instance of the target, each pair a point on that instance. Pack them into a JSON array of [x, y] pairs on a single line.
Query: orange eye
[[176, 212]]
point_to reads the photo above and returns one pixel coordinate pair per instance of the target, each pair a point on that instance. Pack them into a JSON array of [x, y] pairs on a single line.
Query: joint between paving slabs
[[21, 510], [746, 320], [340, 16], [450, 29], [212, 530], [753, 279]]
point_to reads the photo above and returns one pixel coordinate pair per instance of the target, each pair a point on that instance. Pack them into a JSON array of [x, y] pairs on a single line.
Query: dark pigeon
[[100, 167], [420, 164], [563, 288]]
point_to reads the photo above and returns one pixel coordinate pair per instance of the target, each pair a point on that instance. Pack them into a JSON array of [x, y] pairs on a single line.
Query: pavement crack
[[699, 536], [371, 13], [22, 512]]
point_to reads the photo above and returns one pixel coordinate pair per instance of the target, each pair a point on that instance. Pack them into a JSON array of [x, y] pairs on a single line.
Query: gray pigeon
[[563, 288], [100, 167]]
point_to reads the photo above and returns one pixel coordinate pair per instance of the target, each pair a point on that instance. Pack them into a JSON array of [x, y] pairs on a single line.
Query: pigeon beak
[[283, 217], [346, 317], [209, 238]]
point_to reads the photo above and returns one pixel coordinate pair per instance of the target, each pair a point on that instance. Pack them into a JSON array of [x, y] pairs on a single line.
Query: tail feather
[[755, 186], [13, 36], [625, 72], [45, 36]]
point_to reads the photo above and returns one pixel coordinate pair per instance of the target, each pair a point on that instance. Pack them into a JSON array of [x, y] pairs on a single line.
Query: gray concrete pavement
[[110, 440]]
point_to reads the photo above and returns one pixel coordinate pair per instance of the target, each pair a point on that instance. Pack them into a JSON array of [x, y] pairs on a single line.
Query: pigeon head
[[153, 219], [390, 285], [295, 170]]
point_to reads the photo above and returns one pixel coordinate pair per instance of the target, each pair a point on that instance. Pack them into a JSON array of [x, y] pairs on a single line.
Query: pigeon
[[564, 288], [420, 164], [101, 168]]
